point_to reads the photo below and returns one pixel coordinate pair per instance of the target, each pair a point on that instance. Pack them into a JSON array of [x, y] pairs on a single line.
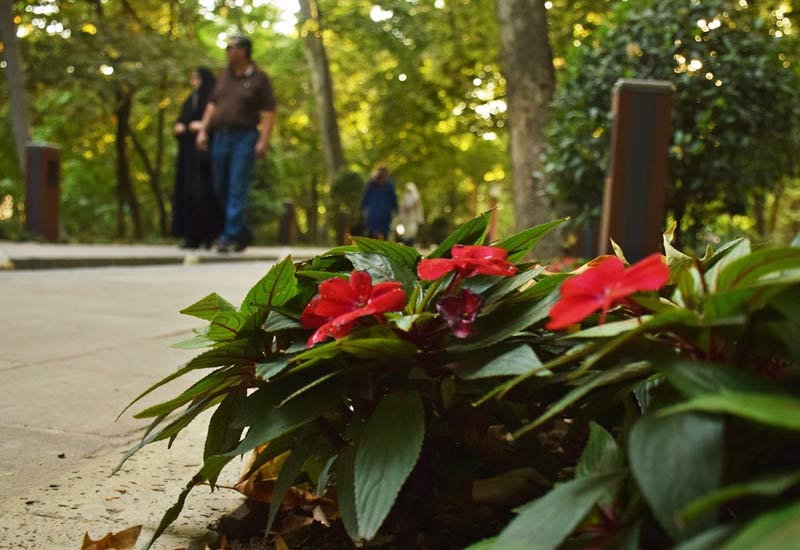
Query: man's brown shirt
[[239, 100]]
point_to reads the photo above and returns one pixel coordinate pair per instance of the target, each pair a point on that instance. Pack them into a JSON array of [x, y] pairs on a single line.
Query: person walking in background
[[410, 215], [196, 217], [242, 101], [378, 204]]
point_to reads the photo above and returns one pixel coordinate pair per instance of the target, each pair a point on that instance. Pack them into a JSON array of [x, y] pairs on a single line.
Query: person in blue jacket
[[378, 204]]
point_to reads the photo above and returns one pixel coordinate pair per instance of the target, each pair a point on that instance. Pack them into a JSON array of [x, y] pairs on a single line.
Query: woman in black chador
[[196, 216]]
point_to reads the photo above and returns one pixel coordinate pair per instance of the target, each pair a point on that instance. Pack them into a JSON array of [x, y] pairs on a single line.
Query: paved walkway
[[30, 255], [77, 345]]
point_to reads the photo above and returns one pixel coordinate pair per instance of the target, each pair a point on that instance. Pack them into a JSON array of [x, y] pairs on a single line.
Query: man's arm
[[202, 134], [267, 120]]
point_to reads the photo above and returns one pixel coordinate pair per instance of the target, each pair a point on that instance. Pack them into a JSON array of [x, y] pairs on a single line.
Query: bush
[[729, 147], [658, 403]]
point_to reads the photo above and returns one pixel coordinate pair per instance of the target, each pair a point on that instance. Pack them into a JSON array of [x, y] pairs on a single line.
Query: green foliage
[[729, 146], [685, 412]]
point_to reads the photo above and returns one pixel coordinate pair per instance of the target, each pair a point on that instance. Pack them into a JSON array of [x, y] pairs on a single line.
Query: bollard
[[635, 190], [286, 233], [342, 227], [42, 176]]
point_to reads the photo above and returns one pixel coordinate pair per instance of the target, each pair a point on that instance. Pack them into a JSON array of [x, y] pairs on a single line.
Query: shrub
[[446, 398]]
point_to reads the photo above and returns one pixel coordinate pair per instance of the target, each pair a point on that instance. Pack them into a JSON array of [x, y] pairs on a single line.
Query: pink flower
[[340, 304], [603, 286], [460, 312], [468, 261]]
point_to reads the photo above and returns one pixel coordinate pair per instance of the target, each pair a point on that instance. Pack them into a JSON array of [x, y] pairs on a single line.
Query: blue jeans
[[232, 159]]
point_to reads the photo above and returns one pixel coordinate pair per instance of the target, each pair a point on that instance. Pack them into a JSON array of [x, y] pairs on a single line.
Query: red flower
[[340, 304], [606, 284], [468, 261], [460, 312]]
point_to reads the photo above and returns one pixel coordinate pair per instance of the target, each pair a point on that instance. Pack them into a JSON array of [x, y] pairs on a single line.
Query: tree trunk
[[528, 67], [154, 169], [311, 31], [126, 196], [15, 78], [313, 214]]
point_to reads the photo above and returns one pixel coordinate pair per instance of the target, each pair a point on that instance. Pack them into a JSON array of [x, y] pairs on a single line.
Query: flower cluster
[[340, 304]]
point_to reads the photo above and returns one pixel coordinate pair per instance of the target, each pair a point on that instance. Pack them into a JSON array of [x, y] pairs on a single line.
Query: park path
[[76, 345]]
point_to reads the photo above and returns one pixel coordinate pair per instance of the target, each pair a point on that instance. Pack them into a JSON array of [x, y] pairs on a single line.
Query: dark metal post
[[287, 230], [42, 177], [635, 191]]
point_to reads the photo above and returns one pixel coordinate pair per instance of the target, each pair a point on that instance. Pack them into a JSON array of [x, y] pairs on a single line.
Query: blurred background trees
[[418, 85]]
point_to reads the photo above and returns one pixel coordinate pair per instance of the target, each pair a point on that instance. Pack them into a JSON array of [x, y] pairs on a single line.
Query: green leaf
[[346, 490], [238, 352], [225, 326], [677, 261], [781, 411], [509, 362], [675, 460], [377, 348], [222, 435], [496, 327], [269, 369], [769, 485], [732, 253], [175, 510], [384, 269], [775, 530], [276, 422], [195, 342], [471, 233], [217, 380], [601, 455], [507, 285], [276, 288], [289, 472], [398, 252], [208, 307], [586, 385], [387, 452], [485, 544], [747, 270], [520, 244], [277, 321], [547, 521], [708, 540], [694, 378], [609, 330]]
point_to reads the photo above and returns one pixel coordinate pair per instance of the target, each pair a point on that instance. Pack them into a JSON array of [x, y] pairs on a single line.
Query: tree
[[310, 28], [530, 80], [731, 148], [15, 78]]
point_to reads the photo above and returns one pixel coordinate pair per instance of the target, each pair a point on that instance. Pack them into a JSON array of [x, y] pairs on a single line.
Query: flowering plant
[[438, 393]]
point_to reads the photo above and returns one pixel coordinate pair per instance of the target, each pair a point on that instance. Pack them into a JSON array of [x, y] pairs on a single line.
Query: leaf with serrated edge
[[544, 523], [208, 307], [276, 288], [387, 452], [471, 233]]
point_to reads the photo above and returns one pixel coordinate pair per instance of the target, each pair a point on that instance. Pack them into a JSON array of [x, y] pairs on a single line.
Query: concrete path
[[75, 347], [33, 255]]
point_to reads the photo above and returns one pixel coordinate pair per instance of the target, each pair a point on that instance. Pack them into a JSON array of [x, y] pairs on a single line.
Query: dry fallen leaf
[[124, 540]]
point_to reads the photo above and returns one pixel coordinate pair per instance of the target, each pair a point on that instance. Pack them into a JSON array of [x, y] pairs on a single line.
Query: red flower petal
[[385, 297], [603, 286], [429, 270], [651, 273], [361, 283], [338, 298], [309, 318], [483, 253]]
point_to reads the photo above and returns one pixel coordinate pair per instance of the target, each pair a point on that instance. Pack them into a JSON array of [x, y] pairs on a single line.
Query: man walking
[[242, 101]]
